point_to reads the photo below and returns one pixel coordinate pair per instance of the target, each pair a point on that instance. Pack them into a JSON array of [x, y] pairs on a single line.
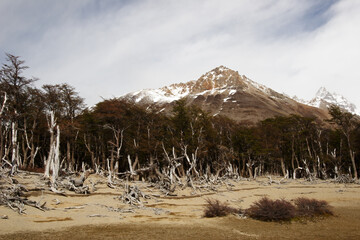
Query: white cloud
[[290, 45]]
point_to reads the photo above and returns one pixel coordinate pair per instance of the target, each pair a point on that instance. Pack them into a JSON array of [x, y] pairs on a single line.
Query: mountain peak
[[322, 92], [220, 77], [223, 91], [216, 81], [323, 99], [218, 72]]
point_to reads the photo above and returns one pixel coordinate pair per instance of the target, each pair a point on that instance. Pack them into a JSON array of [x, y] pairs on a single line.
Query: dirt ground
[[101, 215]]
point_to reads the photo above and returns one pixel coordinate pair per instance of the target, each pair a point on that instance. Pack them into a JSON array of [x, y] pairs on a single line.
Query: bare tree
[[53, 160], [66, 104]]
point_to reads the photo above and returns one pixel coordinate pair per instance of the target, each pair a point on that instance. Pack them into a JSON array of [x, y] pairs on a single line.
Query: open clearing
[[102, 215]]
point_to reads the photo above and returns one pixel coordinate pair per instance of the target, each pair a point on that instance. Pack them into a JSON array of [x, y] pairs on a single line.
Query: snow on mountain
[[227, 82], [214, 82], [223, 91], [323, 99], [300, 100]]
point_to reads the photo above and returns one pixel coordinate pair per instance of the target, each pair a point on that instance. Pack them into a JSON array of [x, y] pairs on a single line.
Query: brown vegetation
[[215, 208], [306, 207], [282, 210], [271, 210]]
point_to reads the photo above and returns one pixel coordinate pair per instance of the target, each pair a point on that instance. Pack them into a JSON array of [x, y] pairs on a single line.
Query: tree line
[[40, 126]]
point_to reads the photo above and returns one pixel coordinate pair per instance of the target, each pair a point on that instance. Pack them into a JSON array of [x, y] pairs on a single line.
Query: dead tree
[[310, 176], [296, 170], [15, 150], [110, 175], [94, 163], [132, 195], [169, 179], [116, 145], [3, 104], [232, 172], [30, 146], [5, 148], [53, 160], [250, 165], [192, 169]]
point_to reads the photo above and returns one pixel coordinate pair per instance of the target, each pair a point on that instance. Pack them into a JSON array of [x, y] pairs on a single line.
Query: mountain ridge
[[223, 91], [218, 79]]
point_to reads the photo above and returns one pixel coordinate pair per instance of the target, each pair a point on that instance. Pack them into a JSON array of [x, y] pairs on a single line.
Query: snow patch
[[232, 92], [324, 98]]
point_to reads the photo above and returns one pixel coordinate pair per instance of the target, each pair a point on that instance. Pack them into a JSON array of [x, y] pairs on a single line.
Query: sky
[[107, 48]]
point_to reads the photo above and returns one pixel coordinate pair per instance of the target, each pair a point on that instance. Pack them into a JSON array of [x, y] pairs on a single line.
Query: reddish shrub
[[214, 208], [306, 207], [271, 210]]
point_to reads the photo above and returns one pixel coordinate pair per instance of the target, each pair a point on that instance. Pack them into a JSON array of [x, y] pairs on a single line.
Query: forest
[[50, 129]]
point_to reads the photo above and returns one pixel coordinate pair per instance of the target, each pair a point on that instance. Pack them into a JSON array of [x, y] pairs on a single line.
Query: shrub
[[214, 208], [306, 207], [271, 210]]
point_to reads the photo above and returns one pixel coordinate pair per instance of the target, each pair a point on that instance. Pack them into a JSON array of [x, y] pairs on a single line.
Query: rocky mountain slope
[[223, 91]]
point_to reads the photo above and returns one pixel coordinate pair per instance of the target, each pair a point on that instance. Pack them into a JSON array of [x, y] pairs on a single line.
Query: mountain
[[223, 91], [323, 99]]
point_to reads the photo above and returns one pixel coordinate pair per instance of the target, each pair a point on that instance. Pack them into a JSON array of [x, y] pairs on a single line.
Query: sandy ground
[[180, 217]]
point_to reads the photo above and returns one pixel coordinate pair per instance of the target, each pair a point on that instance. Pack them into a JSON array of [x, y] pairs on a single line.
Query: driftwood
[[77, 189], [271, 181], [137, 171], [119, 210], [13, 198], [97, 215], [74, 207], [53, 189], [75, 184], [344, 178], [132, 195]]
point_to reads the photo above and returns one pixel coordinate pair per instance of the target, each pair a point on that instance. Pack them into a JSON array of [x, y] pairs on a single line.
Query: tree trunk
[[283, 168], [352, 156], [181, 169], [56, 160], [136, 162], [25, 153], [68, 154], [32, 155], [14, 147], [53, 161], [1, 144], [249, 164]]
